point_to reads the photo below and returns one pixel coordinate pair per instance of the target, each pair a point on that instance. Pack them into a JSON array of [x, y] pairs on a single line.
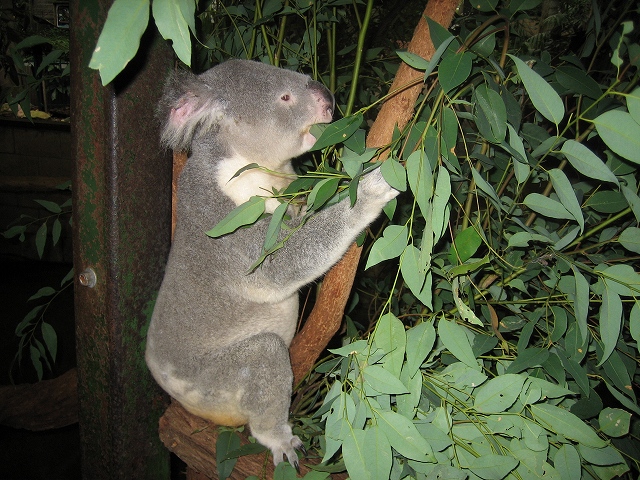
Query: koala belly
[[221, 407]]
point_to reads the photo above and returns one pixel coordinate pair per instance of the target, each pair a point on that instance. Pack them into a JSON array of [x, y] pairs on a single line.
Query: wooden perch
[[193, 439], [41, 406]]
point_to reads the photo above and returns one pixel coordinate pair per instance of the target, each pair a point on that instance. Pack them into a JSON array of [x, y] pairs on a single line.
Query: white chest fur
[[252, 182]]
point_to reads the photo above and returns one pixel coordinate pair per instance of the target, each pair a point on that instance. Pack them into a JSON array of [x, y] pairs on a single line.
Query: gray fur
[[218, 339]]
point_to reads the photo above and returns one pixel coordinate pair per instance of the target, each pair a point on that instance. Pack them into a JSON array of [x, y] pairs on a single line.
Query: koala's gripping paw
[[373, 185], [288, 449]]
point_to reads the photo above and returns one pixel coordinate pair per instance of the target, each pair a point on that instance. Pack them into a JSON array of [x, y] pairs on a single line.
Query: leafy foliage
[[33, 330], [502, 289]]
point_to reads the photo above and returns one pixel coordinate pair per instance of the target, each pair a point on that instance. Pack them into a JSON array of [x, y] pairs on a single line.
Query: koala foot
[[281, 444]]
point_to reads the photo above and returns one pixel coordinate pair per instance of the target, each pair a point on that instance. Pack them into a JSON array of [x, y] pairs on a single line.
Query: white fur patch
[[252, 182]]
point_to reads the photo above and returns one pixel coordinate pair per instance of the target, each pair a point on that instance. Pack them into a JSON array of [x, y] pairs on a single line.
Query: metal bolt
[[88, 278]]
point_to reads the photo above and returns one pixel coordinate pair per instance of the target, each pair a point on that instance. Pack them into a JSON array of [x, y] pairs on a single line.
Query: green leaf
[[322, 192], [567, 195], [394, 173], [41, 239], [275, 224], [561, 421], [355, 455], [455, 339], [581, 302], [172, 24], [528, 358], [614, 422], [578, 81], [120, 38], [542, 95], [383, 381], [50, 206], [633, 104], [607, 201], [630, 239], [600, 456], [50, 339], [367, 454], [390, 245], [43, 292], [420, 179], [338, 131], [35, 360], [546, 206], [633, 200], [499, 393], [413, 60], [492, 466], [404, 437], [621, 133], [454, 70], [491, 110], [415, 275], [56, 231], [244, 214], [14, 231], [465, 244], [610, 322], [634, 322], [567, 461], [420, 341], [522, 239], [227, 441], [391, 338], [440, 203], [586, 162], [486, 188]]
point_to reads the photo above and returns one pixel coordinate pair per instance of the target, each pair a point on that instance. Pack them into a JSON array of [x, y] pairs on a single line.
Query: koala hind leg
[[265, 379]]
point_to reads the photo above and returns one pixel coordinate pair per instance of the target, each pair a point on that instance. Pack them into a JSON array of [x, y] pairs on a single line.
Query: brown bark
[[41, 406], [194, 440]]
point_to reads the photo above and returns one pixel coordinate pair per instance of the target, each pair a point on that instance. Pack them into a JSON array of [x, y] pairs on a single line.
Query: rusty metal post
[[122, 222]]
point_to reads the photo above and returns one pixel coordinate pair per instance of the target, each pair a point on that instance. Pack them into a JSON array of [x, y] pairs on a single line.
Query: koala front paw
[[375, 186]]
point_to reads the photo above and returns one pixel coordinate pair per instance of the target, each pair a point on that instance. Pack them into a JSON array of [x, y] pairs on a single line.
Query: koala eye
[[285, 97]]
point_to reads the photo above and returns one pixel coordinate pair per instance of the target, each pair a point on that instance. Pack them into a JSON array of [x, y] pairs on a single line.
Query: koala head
[[248, 108]]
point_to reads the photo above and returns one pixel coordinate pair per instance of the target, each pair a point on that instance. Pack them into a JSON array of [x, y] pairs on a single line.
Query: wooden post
[[122, 223]]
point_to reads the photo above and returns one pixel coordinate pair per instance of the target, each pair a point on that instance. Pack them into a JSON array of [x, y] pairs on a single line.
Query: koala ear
[[188, 108]]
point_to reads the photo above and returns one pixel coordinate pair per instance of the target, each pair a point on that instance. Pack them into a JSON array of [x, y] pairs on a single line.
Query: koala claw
[[289, 451]]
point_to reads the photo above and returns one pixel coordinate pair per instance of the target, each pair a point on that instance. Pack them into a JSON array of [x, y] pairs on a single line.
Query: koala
[[219, 334]]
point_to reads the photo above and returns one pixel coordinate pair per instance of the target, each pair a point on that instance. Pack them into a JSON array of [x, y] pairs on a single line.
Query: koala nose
[[323, 95]]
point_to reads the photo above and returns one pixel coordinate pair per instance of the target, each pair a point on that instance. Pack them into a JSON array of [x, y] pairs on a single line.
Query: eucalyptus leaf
[[492, 466], [620, 132], [391, 338], [454, 70], [542, 95], [120, 37], [404, 437], [172, 17], [610, 322], [546, 206], [244, 214], [390, 245], [614, 422], [587, 162], [338, 131], [567, 195], [456, 341], [561, 421], [499, 393], [630, 239], [567, 461]]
